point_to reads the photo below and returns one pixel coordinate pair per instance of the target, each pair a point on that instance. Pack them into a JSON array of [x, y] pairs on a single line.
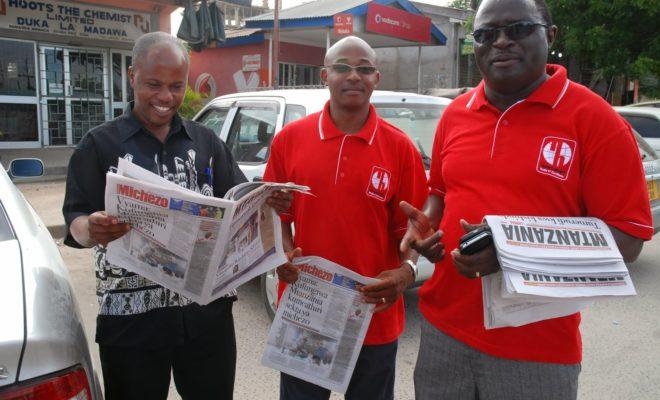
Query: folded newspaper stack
[[551, 267], [198, 246]]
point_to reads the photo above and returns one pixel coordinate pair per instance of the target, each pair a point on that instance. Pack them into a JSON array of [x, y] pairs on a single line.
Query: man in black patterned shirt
[[146, 332]]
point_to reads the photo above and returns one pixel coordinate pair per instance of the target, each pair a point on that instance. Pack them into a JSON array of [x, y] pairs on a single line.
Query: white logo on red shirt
[[379, 183], [556, 157]]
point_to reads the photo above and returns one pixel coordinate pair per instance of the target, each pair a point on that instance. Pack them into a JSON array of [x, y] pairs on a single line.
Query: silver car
[[43, 349]]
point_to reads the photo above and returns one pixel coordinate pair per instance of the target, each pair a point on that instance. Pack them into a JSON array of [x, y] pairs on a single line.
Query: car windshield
[[418, 121]]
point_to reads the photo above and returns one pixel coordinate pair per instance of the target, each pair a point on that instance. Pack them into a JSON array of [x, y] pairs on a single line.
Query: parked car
[[651, 103], [651, 162], [43, 348], [247, 122], [646, 121]]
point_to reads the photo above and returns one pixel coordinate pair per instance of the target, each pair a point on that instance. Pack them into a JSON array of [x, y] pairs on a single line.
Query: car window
[[5, 229], [293, 112], [419, 121], [251, 132], [646, 126], [214, 118]]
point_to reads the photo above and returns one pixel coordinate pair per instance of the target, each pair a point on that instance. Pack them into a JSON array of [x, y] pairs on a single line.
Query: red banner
[[397, 23], [343, 24]]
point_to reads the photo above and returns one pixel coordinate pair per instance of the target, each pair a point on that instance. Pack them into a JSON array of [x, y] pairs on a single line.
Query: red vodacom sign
[[398, 23]]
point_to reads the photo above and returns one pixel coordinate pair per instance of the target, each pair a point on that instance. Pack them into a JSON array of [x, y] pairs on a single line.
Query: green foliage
[[616, 37], [192, 103]]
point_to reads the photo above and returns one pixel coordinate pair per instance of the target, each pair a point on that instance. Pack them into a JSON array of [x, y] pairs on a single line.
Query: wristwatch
[[412, 266]]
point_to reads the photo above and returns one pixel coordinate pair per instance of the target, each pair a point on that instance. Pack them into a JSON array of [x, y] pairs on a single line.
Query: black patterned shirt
[[134, 309]]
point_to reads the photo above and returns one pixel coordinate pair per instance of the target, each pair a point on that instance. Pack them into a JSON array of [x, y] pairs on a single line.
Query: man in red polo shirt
[[526, 141], [359, 167]]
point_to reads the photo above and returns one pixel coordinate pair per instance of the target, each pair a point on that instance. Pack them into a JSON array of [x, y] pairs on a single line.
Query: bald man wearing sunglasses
[[359, 168], [526, 141]]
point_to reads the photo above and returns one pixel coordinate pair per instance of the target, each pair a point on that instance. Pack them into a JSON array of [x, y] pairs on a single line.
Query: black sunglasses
[[515, 31], [345, 69]]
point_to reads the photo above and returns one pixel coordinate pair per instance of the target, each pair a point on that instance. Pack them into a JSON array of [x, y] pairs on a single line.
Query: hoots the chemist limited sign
[[73, 19]]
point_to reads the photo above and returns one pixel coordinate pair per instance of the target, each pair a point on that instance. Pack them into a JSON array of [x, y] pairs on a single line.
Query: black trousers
[[203, 367], [373, 378]]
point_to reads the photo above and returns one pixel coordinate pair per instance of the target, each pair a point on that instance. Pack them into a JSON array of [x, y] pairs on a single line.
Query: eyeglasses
[[345, 69], [515, 31]]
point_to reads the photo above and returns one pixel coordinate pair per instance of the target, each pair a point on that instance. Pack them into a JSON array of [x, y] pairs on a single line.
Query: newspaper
[[319, 328], [551, 267], [198, 246]]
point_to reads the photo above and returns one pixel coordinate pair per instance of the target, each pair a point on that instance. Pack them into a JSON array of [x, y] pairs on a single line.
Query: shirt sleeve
[[226, 172], [276, 170], [436, 182], [614, 185], [412, 189], [85, 186]]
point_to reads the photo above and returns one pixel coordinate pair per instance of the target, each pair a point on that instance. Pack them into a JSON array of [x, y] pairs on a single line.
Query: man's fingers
[[297, 252], [416, 217], [468, 227]]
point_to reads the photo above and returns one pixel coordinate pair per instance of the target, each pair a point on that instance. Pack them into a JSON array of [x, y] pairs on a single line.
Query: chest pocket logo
[[379, 183], [556, 157]]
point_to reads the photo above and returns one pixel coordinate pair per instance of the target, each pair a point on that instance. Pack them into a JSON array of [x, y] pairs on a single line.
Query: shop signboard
[[251, 62], [397, 23], [343, 24], [73, 19]]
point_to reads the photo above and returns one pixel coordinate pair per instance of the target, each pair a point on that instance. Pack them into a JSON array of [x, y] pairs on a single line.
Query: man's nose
[[501, 39], [353, 75], [165, 94]]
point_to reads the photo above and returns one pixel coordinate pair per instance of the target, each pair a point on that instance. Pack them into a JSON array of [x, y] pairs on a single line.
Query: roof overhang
[[313, 30]]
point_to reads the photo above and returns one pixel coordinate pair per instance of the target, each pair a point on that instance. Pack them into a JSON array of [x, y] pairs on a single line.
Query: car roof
[[316, 98], [641, 111]]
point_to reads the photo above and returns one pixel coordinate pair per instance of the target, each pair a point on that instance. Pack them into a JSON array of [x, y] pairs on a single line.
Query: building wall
[[225, 65]]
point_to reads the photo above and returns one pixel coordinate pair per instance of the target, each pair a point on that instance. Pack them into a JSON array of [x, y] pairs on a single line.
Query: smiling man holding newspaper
[[146, 332], [359, 167], [526, 141]]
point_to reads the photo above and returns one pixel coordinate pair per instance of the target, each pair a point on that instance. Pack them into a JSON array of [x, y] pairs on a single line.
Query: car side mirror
[[26, 167]]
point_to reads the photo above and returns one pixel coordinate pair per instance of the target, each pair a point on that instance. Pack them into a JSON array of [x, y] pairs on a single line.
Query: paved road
[[621, 337]]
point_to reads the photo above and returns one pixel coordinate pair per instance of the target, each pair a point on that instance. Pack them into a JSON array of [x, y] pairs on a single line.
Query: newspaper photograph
[[195, 245], [320, 325]]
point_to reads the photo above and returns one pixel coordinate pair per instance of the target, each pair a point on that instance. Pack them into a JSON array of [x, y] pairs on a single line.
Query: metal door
[[75, 94]]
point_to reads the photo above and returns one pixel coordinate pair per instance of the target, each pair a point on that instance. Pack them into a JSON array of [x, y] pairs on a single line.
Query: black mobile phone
[[475, 241]]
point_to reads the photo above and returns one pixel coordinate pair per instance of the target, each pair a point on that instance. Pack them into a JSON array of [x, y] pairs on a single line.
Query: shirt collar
[[129, 125], [550, 92], [328, 129]]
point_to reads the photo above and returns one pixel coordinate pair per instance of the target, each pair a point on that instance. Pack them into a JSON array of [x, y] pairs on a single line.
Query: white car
[[646, 121], [247, 122], [43, 349]]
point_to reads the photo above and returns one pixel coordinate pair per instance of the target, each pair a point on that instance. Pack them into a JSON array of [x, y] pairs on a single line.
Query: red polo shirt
[[357, 180], [563, 151]]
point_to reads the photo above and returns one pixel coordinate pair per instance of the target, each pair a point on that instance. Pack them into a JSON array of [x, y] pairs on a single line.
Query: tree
[[617, 37], [192, 103]]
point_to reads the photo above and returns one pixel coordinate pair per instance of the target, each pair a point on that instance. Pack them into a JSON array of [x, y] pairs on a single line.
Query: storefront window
[[57, 122], [54, 72], [18, 122], [17, 72], [295, 75]]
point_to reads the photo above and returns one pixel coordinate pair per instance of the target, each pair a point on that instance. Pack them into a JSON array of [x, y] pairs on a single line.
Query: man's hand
[[388, 290], [104, 229], [420, 235], [288, 272], [280, 200], [475, 265]]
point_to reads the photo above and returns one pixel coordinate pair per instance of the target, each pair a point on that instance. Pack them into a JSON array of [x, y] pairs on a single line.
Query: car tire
[[269, 292]]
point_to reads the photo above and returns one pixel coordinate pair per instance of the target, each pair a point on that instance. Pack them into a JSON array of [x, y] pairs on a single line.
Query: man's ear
[[131, 76], [324, 76], [551, 35], [377, 79]]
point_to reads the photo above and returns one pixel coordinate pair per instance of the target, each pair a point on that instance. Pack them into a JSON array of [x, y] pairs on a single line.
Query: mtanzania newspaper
[[320, 325], [199, 246]]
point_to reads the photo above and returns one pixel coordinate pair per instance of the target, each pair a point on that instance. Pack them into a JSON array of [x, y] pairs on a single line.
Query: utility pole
[[276, 44]]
